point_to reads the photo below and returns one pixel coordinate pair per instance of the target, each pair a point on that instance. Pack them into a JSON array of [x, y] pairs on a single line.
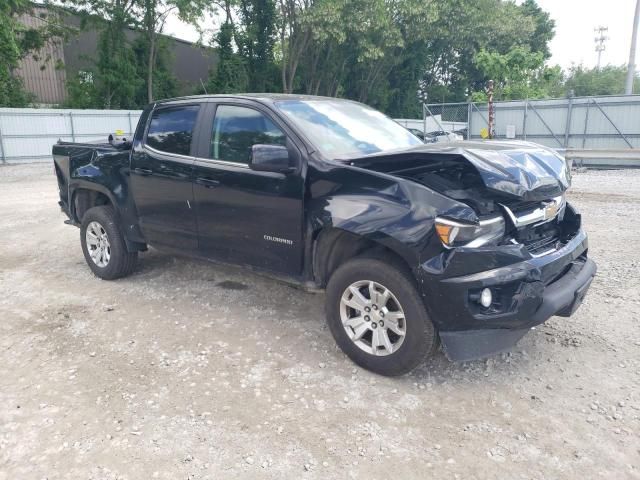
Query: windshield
[[342, 129]]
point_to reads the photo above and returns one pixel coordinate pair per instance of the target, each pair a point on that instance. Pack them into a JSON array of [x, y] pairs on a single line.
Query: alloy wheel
[[98, 244], [373, 318]]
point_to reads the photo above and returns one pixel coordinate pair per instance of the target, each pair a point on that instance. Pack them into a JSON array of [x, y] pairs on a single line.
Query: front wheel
[[103, 244], [377, 317]]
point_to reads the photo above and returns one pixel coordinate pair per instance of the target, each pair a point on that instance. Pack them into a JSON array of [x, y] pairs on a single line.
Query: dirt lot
[[196, 371]]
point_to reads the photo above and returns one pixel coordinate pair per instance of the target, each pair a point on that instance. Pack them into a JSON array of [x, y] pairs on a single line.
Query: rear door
[[161, 173], [245, 216]]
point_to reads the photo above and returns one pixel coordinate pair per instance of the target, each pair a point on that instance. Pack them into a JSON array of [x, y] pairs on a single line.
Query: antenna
[[600, 40]]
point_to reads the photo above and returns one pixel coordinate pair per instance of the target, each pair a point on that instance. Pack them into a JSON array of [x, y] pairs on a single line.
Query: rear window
[[171, 129]]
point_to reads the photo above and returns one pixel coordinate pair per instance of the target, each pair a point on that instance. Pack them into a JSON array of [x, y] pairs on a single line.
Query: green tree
[[342, 47], [115, 75], [16, 42], [154, 14], [256, 39], [82, 92], [295, 32], [416, 21], [377, 51], [512, 72], [230, 74], [544, 28], [163, 81], [11, 90], [607, 80], [464, 28]]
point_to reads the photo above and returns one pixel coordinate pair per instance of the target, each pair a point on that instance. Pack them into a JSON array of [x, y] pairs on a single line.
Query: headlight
[[455, 233]]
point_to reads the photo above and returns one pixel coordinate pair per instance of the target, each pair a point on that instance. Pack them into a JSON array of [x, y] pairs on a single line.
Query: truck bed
[[89, 161]]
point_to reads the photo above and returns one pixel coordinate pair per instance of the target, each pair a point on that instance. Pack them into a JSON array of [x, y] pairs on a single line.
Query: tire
[[116, 261], [419, 339]]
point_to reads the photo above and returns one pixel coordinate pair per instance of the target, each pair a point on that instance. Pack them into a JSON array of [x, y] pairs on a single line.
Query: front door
[[245, 216], [161, 178]]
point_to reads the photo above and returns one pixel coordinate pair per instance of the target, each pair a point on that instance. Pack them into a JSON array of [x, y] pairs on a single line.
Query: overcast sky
[[573, 43], [575, 21]]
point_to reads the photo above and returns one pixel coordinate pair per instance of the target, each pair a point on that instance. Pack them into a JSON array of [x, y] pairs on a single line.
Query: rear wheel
[[103, 244], [377, 317]]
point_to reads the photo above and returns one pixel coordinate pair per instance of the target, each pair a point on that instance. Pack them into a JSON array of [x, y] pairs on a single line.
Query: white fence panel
[[27, 135], [580, 123]]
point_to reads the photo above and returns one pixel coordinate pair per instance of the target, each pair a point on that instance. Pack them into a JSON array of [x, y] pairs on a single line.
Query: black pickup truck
[[468, 243]]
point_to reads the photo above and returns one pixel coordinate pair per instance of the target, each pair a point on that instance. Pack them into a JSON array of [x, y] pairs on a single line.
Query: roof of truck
[[255, 96]]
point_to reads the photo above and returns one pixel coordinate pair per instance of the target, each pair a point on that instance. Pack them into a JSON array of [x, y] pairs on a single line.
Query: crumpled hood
[[520, 169]]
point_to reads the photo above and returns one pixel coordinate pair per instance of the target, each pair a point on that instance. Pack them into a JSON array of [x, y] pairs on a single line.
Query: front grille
[[539, 239], [537, 247], [521, 207], [545, 237]]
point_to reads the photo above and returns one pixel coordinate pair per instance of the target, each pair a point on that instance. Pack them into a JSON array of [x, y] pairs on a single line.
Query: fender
[[107, 172], [396, 213]]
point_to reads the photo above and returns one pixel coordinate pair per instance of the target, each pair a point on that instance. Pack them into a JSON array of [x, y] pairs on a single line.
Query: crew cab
[[467, 244]]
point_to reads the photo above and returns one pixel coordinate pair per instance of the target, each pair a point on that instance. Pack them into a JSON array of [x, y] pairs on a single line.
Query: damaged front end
[[515, 189], [521, 261]]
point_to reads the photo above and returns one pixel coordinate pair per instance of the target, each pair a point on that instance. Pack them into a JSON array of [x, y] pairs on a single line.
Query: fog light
[[486, 298]]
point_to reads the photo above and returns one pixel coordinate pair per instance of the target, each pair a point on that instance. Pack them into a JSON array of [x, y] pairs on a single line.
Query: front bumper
[[527, 292]]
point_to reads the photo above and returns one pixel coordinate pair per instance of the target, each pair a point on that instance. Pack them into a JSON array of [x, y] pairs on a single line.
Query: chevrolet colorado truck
[[467, 244]]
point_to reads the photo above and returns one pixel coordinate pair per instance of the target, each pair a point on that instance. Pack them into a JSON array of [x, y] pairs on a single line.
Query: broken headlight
[[455, 233]]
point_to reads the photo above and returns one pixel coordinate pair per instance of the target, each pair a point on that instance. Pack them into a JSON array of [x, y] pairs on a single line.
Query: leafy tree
[[295, 32], [372, 39], [340, 47], [607, 80], [256, 40], [126, 64], [416, 22], [16, 42], [154, 14], [230, 74], [11, 90], [376, 51], [544, 27], [511, 72], [549, 82], [163, 81], [115, 75], [82, 92]]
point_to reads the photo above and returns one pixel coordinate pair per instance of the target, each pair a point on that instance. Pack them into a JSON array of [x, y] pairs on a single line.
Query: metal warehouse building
[[45, 74]]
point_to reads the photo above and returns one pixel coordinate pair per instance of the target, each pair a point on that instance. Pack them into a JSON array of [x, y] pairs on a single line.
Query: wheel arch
[[84, 197], [334, 246], [87, 196]]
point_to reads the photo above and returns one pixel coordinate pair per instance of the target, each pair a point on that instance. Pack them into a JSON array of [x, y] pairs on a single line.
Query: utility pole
[[422, 97], [492, 112], [631, 72], [600, 39]]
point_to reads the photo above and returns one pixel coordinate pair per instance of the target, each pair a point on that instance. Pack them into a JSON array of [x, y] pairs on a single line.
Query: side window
[[237, 129], [171, 129]]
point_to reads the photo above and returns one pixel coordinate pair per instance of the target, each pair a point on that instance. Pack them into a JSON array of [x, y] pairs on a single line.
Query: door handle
[[145, 172], [207, 182]]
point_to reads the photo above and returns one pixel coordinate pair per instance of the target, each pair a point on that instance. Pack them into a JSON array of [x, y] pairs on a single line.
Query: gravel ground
[[190, 370]]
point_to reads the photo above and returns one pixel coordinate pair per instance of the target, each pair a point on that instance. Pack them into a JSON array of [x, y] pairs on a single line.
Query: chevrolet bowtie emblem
[[550, 210]]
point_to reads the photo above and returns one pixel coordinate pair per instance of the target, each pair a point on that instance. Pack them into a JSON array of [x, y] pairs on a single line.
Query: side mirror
[[270, 158]]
